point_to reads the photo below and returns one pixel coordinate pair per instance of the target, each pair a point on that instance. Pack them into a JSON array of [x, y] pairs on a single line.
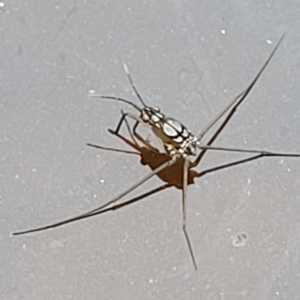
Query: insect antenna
[[132, 85], [116, 99], [121, 99]]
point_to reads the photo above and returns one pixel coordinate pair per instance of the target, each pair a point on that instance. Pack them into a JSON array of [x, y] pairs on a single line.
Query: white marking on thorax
[[169, 130], [155, 118], [175, 124], [178, 139], [185, 133]]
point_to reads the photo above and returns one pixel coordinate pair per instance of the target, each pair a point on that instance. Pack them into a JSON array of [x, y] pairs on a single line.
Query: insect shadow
[[173, 167]]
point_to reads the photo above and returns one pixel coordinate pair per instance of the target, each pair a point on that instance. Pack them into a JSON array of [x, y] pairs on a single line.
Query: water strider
[[179, 144]]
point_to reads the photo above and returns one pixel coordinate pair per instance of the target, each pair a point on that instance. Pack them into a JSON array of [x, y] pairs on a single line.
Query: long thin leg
[[81, 217], [228, 165], [267, 153], [123, 119], [120, 196], [133, 144], [219, 116], [134, 134], [129, 130], [243, 94], [128, 142], [214, 137], [184, 201], [124, 115], [234, 108], [167, 164]]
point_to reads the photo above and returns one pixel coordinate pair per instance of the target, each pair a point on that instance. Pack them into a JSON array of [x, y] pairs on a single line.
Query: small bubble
[[151, 280], [24, 246], [101, 181], [269, 42], [92, 91], [2, 4], [56, 244], [223, 31], [34, 170], [239, 240]]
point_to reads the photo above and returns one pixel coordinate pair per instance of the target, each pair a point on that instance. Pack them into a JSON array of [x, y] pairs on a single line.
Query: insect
[[178, 147]]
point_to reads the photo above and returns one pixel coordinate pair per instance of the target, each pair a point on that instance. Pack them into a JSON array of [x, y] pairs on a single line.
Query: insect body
[[177, 140]]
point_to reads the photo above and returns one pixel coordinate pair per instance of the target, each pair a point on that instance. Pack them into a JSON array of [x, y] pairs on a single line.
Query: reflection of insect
[[179, 143]]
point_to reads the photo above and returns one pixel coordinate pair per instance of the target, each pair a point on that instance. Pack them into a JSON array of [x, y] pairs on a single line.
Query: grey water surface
[[190, 58]]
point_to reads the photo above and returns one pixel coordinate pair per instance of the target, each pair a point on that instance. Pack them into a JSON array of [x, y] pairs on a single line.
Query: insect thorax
[[175, 137]]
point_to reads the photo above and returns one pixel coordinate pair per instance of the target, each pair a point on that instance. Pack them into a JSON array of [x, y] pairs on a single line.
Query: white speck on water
[[269, 42], [92, 91], [101, 181], [2, 4], [223, 31], [56, 244], [34, 170]]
